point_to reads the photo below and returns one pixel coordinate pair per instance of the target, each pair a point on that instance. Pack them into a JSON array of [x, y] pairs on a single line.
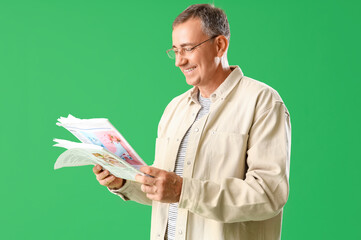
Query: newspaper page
[[100, 132], [80, 154]]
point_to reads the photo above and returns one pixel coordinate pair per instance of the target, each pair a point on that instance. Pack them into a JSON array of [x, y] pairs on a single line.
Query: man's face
[[199, 65]]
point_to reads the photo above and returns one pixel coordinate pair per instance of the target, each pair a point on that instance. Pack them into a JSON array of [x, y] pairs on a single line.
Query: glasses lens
[[171, 54]]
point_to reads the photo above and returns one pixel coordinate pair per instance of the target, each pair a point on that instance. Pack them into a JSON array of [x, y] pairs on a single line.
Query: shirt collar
[[222, 91]]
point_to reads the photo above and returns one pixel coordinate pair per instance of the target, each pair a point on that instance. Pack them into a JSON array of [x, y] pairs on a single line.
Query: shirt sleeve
[[131, 191], [264, 191]]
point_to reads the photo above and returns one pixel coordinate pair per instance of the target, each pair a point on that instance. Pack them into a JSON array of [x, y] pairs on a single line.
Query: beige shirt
[[236, 169]]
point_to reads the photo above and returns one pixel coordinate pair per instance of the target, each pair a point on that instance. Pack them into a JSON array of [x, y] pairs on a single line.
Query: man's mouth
[[188, 70]]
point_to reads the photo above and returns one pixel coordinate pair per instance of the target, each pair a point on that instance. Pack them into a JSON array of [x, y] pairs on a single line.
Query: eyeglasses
[[172, 53]]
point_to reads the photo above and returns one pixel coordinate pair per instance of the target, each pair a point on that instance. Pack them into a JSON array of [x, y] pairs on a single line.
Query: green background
[[107, 59]]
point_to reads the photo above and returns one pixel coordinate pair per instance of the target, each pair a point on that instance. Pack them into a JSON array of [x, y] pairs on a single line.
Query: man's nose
[[180, 60]]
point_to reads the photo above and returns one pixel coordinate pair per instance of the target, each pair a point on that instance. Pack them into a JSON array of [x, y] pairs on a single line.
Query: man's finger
[[152, 171], [145, 180], [97, 169], [103, 175], [153, 197], [107, 181], [148, 189]]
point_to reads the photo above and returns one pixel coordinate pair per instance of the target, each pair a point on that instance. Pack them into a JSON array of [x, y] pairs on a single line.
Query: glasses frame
[[186, 49]]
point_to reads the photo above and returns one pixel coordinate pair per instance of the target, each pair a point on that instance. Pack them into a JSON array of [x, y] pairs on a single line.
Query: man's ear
[[222, 45]]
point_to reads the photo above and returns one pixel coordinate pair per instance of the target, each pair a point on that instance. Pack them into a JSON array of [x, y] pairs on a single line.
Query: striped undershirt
[[173, 207]]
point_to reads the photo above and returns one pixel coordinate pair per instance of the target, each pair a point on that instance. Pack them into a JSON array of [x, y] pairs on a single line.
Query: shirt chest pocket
[[228, 155]]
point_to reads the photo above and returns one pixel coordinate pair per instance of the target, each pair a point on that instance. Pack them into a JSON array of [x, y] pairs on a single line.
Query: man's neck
[[219, 78]]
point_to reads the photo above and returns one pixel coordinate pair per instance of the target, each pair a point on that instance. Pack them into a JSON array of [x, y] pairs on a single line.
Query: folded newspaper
[[101, 144]]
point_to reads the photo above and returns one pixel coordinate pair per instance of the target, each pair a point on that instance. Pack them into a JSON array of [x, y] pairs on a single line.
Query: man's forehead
[[187, 33]]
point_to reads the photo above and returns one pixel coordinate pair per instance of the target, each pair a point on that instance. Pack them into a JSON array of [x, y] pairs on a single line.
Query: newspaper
[[101, 144]]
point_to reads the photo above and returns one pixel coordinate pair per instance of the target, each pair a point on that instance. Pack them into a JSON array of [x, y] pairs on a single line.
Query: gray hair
[[214, 20]]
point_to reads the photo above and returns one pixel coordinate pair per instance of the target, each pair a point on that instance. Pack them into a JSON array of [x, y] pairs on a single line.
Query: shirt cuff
[[125, 190], [189, 200]]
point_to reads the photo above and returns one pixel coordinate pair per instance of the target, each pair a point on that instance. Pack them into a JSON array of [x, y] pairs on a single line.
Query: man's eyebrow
[[184, 45]]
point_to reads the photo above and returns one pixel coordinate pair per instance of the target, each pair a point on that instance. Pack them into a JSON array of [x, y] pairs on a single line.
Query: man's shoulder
[[257, 95], [257, 90], [174, 107]]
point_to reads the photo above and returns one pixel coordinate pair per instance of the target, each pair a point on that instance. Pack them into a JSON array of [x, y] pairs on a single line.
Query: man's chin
[[193, 82]]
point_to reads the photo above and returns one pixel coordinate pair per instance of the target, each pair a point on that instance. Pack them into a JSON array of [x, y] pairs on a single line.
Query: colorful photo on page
[[109, 160], [114, 144]]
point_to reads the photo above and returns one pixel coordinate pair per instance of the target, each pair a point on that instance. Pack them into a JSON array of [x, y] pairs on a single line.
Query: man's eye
[[176, 51], [188, 49]]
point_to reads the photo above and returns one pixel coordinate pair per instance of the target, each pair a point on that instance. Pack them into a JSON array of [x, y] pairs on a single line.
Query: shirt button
[[189, 162], [213, 132], [196, 130], [177, 139], [158, 235], [180, 232], [193, 114]]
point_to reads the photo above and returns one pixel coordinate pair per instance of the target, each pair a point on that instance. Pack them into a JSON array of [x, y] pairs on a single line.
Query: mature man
[[222, 154]]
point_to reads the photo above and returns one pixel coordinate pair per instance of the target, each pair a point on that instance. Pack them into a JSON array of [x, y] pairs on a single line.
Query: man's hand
[[106, 179], [164, 187]]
